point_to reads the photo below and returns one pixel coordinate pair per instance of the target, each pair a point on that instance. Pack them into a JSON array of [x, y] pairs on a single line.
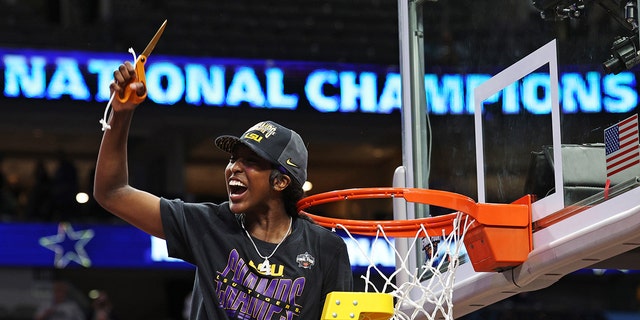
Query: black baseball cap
[[274, 142]]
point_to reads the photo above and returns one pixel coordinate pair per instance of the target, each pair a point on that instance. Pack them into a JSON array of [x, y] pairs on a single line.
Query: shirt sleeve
[[174, 225], [190, 227]]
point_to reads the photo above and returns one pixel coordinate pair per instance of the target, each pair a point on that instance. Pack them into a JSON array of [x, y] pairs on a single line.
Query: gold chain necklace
[[265, 267]]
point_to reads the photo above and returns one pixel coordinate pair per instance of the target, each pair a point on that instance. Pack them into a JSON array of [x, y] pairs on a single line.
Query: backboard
[[533, 127]]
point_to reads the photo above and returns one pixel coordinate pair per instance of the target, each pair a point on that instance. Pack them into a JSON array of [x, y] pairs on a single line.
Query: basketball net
[[496, 237], [430, 284]]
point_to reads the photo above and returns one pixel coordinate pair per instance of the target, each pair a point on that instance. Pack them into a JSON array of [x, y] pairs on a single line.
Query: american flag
[[621, 145]]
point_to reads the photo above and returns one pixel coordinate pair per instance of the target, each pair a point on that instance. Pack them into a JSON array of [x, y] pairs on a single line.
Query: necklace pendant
[[265, 267]]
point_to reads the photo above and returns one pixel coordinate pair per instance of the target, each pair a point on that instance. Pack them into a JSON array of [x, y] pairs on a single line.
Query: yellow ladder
[[357, 305]]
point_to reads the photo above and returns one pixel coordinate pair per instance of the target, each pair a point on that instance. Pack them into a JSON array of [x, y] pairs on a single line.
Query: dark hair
[[291, 194]]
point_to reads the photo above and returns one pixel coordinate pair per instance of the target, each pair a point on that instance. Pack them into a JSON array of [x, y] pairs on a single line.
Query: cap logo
[[253, 136], [291, 163], [265, 128]]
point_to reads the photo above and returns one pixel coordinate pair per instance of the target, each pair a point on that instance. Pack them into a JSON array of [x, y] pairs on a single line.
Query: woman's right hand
[[125, 78]]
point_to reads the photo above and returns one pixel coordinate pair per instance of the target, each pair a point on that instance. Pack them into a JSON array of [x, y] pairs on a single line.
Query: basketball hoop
[[496, 237]]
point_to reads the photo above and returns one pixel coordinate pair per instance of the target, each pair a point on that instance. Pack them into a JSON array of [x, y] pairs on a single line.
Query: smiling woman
[[254, 245]]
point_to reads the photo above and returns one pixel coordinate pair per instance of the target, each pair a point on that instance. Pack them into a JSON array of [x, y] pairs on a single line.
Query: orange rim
[[434, 226]]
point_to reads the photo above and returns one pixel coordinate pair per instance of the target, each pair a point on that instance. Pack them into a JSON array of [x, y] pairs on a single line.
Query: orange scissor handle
[[129, 95]]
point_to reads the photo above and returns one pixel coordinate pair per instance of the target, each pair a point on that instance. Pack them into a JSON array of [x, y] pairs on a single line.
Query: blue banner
[[67, 245], [293, 86], [79, 245]]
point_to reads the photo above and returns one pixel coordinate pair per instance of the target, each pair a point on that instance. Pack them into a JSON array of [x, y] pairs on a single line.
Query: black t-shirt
[[311, 262]]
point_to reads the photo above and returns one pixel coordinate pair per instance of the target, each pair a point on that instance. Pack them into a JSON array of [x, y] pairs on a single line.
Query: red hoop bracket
[[500, 237]]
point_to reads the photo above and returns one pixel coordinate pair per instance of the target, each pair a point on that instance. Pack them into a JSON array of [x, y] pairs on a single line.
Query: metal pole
[[414, 113], [414, 139]]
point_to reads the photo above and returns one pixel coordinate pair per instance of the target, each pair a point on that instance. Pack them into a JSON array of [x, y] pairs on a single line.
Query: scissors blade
[[154, 40]]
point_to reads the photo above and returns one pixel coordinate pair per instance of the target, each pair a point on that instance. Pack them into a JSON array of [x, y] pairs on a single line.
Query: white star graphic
[[66, 233]]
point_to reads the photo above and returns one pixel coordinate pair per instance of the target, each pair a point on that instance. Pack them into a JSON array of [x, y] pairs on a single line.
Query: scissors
[[129, 94]]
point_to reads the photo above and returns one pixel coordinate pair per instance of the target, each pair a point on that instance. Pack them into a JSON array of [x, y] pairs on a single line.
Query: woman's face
[[247, 177]]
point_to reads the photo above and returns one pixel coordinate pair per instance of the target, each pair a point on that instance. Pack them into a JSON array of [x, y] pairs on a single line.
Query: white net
[[428, 251], [424, 292]]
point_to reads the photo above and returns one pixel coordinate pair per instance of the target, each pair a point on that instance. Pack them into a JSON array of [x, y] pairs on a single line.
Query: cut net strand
[[105, 117]]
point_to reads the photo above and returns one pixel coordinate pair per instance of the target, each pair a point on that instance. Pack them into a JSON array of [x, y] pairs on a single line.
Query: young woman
[[255, 257]]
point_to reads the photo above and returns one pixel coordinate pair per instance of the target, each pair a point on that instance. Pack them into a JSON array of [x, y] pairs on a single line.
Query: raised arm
[[111, 187]]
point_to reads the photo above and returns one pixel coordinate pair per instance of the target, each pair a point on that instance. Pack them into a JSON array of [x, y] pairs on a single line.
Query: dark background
[[347, 150]]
